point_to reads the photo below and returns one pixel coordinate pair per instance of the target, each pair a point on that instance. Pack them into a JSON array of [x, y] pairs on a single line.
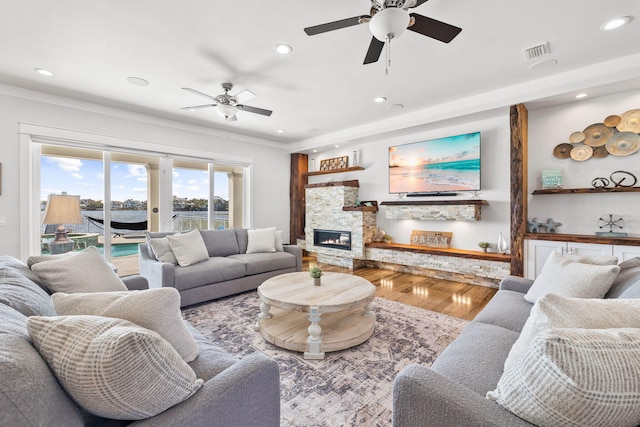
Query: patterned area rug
[[348, 388]]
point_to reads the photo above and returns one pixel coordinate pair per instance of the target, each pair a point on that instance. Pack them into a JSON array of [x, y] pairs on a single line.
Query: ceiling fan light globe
[[389, 23], [226, 111]]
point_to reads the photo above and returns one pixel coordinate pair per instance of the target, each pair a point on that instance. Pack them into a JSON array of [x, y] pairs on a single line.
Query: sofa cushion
[[88, 271], [156, 235], [188, 248], [261, 240], [263, 262], [23, 295], [475, 359], [627, 283], [155, 309], [213, 270], [162, 250], [220, 242], [14, 264], [569, 276], [506, 309], [553, 311], [112, 367], [278, 244], [35, 259], [212, 359], [31, 395], [578, 377], [242, 235]]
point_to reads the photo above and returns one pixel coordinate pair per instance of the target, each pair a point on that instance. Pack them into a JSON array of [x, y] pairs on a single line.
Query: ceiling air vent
[[536, 51]]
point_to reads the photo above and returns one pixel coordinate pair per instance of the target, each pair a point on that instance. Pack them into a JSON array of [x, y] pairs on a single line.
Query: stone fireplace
[[330, 207], [332, 239]]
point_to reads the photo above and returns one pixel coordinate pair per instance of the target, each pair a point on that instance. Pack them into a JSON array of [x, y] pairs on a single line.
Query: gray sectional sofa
[[452, 391], [236, 392], [229, 270]]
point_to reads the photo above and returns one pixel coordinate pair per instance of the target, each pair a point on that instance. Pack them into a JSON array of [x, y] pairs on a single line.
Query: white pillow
[[577, 377], [87, 271], [111, 367], [261, 240], [564, 275], [162, 250], [278, 242], [188, 248], [553, 311], [155, 309]]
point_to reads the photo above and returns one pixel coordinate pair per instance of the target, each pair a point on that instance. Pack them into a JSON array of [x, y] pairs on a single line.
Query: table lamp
[[62, 209]]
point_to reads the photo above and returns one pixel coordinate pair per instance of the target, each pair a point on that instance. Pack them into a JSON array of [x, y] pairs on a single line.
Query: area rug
[[348, 388]]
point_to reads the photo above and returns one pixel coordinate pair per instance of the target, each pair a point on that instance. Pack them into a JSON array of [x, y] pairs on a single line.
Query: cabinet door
[[589, 249], [626, 252], [537, 252]]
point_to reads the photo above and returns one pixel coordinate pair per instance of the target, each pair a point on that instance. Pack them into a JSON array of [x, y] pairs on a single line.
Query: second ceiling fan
[[387, 20], [227, 105]]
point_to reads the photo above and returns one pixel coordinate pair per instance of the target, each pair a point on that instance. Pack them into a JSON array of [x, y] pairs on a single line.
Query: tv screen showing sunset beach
[[438, 165]]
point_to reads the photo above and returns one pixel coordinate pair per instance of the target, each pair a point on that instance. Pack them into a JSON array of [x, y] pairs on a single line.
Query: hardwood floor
[[444, 296]]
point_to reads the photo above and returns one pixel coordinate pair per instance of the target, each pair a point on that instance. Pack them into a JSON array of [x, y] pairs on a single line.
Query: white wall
[[579, 213], [270, 164], [495, 158]]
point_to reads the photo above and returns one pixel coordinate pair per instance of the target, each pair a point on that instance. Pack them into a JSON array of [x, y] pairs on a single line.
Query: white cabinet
[[537, 252]]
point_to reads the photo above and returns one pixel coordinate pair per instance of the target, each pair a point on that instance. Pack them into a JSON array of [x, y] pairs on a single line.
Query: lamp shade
[[62, 209], [389, 23], [226, 110]]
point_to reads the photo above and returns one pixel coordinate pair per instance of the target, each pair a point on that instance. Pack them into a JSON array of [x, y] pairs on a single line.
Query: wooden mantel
[[351, 183]]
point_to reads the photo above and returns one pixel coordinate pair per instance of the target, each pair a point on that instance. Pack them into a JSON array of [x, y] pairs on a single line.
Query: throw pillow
[[261, 240], [162, 250], [111, 367], [577, 377], [88, 271], [563, 275], [155, 309], [278, 243], [34, 259], [553, 311], [189, 248]]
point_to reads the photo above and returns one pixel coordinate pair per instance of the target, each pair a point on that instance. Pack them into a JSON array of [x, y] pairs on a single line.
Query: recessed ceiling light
[[380, 99], [615, 23], [283, 49], [43, 72], [137, 81], [336, 146], [280, 131], [395, 107], [581, 95], [315, 151]]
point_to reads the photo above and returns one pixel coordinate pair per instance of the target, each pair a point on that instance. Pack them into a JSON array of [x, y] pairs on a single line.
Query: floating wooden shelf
[[587, 190], [362, 208], [461, 253], [584, 238], [349, 169], [436, 202]]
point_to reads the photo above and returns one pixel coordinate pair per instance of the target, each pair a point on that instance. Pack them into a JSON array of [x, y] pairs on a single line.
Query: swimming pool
[[123, 249]]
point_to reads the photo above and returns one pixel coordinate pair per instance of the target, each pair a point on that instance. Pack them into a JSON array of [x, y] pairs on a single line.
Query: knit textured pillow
[[111, 367], [569, 276], [576, 377], [155, 309]]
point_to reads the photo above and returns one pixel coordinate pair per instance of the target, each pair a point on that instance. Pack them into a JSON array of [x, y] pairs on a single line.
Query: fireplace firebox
[[332, 239]]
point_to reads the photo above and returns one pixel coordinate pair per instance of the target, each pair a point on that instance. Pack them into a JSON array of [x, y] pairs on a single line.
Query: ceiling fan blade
[[433, 28], [256, 110], [232, 118], [375, 49], [336, 25], [419, 2], [188, 89], [197, 107], [244, 96]]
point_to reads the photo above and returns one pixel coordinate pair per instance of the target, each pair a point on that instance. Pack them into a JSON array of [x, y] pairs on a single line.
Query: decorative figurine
[[551, 225]]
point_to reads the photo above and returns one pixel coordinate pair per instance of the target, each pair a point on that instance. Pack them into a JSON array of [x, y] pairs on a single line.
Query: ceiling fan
[[227, 105], [388, 19]]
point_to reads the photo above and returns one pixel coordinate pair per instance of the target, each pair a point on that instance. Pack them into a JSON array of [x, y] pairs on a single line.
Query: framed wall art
[[334, 163]]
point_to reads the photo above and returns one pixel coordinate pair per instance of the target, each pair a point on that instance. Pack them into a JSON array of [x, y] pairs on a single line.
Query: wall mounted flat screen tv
[[435, 166]]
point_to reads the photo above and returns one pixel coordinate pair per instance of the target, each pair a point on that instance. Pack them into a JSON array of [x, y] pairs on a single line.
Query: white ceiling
[[321, 92]]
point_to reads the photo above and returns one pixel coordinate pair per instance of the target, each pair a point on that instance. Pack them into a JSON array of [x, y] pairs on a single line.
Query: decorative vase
[[484, 249], [316, 281], [501, 246]]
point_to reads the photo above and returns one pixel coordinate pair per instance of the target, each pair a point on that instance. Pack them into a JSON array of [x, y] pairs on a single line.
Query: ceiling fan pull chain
[[388, 54]]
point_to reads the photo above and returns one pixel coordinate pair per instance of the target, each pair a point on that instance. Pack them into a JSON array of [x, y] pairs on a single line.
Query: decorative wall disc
[[612, 121], [563, 151], [576, 137], [581, 153], [629, 122], [600, 152], [623, 143], [597, 134]]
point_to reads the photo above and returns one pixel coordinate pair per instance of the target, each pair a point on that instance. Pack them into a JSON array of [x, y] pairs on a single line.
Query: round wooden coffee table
[[298, 316]]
